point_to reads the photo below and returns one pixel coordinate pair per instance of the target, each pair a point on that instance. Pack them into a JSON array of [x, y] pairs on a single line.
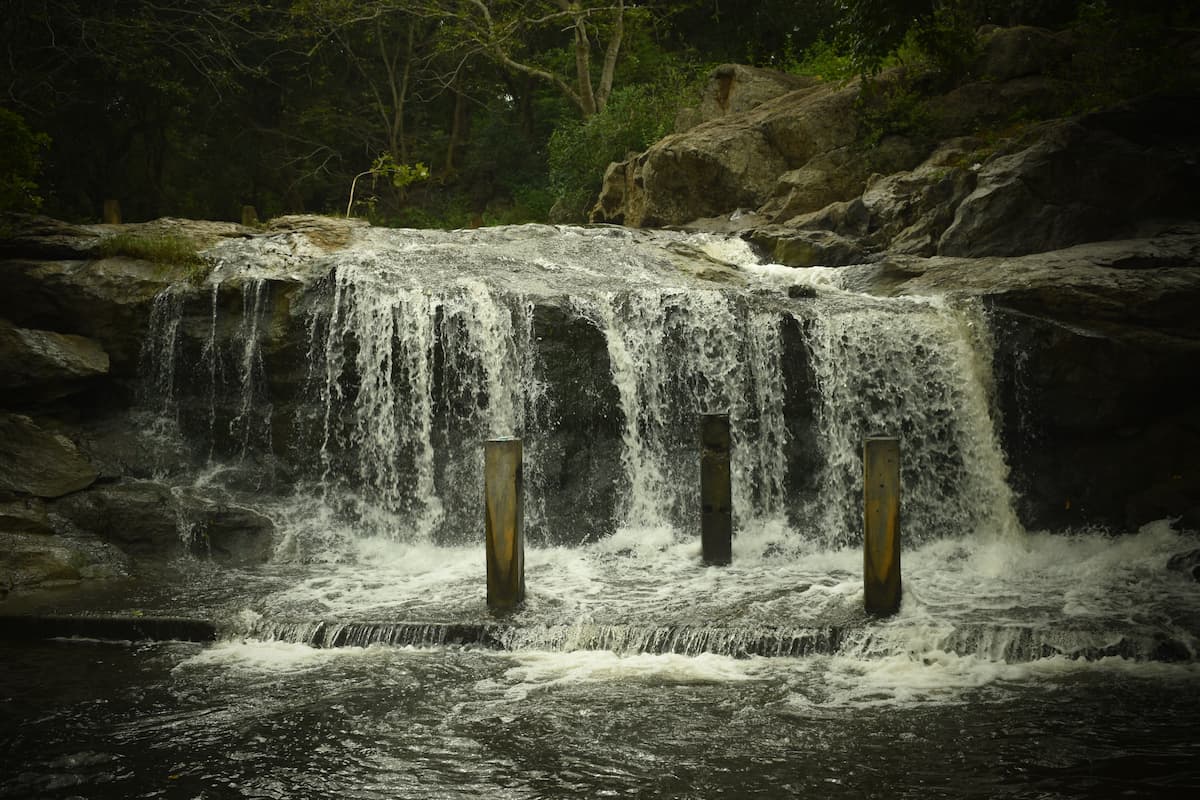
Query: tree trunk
[[610, 58], [583, 67], [458, 126]]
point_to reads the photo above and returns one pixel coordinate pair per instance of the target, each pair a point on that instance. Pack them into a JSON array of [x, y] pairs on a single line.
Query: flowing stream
[[345, 395]]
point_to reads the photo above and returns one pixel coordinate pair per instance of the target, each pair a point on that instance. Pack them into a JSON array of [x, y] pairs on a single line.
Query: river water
[[1022, 663]]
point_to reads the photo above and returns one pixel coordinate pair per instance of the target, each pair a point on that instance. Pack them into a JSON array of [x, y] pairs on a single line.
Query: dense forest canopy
[[449, 112]]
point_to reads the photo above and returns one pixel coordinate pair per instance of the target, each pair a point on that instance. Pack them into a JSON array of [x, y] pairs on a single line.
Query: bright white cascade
[[420, 345]]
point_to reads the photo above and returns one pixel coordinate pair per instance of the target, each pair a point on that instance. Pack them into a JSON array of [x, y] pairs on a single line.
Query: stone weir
[[1000, 643]]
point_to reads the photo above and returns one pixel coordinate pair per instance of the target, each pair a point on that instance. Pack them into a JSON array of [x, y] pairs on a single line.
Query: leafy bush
[[892, 108], [1124, 50], [825, 60], [636, 116], [20, 161], [935, 53]]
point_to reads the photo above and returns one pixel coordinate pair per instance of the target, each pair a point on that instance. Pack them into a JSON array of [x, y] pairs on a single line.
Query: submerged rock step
[[678, 639], [1001, 643]]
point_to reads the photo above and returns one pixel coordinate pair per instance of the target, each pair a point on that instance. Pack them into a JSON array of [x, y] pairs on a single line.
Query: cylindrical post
[[249, 216], [881, 525], [112, 211], [504, 510], [716, 490]]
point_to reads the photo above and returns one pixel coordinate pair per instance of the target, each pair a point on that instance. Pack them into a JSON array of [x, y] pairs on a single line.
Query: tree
[[20, 162], [508, 33]]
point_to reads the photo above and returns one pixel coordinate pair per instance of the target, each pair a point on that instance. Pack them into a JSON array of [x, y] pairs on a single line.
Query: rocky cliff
[[996, 167]]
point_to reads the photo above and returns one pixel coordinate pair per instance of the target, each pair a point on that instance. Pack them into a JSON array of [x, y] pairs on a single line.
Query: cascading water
[[674, 355], [370, 377], [390, 360], [909, 368]]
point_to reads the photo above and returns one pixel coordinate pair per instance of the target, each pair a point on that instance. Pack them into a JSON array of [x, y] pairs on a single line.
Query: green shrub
[[165, 251], [20, 161], [893, 107], [1124, 50], [636, 116], [823, 59]]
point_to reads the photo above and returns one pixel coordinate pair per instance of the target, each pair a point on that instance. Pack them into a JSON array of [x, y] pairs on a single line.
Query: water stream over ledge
[[344, 396]]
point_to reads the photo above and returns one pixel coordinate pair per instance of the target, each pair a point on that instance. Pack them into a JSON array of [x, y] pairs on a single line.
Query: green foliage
[[580, 151], [892, 108], [279, 104], [944, 42], [822, 59], [400, 176], [20, 161], [870, 30], [1126, 49], [934, 54], [165, 250]]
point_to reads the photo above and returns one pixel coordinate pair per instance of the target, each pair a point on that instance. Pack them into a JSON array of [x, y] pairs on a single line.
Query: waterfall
[[674, 355], [158, 392], [912, 369], [409, 381], [414, 348]]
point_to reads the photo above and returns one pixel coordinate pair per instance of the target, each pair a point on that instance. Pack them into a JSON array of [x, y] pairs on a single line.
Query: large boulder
[[225, 531], [970, 175], [39, 462], [43, 365], [28, 560], [140, 517], [27, 515], [107, 300], [150, 520], [734, 88], [1072, 181], [57, 277], [905, 212], [1009, 53], [732, 161], [835, 176], [32, 236]]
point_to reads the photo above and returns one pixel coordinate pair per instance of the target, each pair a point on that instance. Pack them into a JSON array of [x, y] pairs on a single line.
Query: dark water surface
[[278, 720]]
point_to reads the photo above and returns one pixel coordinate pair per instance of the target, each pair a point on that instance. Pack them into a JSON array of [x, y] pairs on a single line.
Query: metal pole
[[881, 525], [716, 490], [504, 511]]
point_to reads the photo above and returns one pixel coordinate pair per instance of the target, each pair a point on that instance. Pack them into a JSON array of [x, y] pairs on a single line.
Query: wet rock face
[[140, 517], [734, 160], [150, 520], [581, 462], [43, 365], [1069, 182], [72, 329], [38, 462], [1099, 424]]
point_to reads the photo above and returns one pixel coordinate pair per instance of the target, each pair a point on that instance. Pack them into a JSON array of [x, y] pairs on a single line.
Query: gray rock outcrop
[[43, 365], [799, 171], [38, 462]]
